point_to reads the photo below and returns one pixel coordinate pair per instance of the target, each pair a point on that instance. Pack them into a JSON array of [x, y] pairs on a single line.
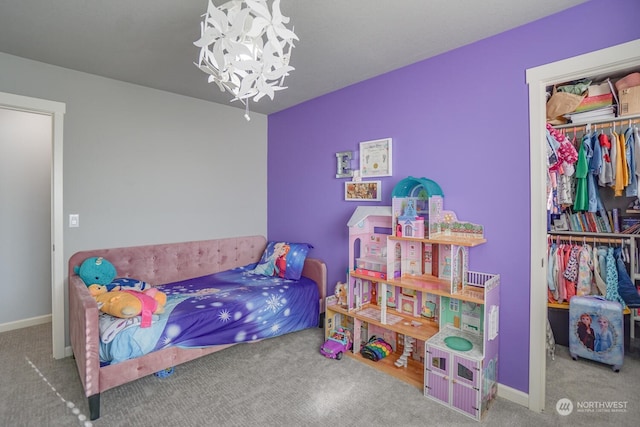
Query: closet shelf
[[621, 120], [565, 306]]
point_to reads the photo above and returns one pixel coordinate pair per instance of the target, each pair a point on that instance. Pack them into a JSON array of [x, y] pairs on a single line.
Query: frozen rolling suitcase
[[596, 330]]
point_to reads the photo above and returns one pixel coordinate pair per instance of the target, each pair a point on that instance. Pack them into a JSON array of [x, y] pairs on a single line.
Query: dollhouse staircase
[[408, 349]]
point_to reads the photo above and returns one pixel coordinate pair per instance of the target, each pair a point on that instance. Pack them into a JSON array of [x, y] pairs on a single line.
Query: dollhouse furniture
[[440, 318], [158, 265]]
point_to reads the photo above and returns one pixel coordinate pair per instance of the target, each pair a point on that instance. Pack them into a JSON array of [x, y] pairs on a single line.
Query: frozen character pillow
[[283, 259]]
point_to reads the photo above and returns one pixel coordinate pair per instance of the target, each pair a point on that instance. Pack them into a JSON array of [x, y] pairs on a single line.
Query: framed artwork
[[363, 191], [375, 158]]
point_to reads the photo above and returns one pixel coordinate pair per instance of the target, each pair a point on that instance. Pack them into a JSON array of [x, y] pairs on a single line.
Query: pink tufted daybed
[[156, 265]]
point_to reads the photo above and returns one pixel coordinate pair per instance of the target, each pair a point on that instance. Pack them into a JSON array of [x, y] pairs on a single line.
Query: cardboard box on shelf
[[629, 101]]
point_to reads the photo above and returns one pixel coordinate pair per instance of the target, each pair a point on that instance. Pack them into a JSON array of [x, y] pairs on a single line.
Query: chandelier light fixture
[[245, 48]]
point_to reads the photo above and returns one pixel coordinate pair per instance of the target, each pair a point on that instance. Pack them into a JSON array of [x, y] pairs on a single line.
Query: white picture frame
[[376, 158], [363, 191]]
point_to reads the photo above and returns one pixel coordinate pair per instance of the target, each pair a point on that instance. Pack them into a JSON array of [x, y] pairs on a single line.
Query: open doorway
[[612, 60], [56, 110]]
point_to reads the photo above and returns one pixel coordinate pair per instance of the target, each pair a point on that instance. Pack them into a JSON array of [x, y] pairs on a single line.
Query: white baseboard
[[515, 396], [24, 323]]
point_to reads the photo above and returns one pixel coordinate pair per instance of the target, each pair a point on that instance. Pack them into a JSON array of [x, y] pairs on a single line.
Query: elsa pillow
[[283, 259]]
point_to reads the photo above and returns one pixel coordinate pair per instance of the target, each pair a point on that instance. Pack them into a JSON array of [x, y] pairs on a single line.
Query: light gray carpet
[[282, 381]]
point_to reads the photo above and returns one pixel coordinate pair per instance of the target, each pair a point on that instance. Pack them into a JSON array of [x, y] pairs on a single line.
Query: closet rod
[[618, 123], [589, 239], [634, 118]]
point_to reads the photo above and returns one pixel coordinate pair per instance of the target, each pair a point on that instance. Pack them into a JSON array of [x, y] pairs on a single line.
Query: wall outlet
[[74, 220]]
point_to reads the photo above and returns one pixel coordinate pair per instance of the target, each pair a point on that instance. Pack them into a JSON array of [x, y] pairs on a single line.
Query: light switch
[[74, 220]]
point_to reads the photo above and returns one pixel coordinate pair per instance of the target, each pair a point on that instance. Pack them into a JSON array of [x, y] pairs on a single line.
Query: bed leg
[[321, 322], [94, 407]]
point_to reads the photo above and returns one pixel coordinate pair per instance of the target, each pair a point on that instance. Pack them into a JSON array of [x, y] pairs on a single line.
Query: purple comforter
[[224, 308]]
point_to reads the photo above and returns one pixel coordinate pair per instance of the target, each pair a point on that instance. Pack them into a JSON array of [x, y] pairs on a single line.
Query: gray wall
[[143, 166]]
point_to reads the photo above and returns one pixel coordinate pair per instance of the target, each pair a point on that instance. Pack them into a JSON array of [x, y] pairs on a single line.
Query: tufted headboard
[[166, 263]]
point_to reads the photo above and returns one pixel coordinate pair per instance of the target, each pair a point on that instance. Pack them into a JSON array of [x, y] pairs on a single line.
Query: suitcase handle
[[598, 297]]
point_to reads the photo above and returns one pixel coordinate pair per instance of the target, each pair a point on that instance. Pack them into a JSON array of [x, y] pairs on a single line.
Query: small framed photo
[[375, 158], [368, 191]]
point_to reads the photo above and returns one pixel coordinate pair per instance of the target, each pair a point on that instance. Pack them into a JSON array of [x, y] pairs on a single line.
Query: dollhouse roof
[[362, 212], [412, 187]]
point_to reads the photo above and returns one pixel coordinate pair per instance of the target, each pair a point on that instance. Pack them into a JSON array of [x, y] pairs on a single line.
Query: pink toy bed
[[215, 299]]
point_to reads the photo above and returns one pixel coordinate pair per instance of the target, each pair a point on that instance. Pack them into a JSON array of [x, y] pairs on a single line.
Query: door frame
[[56, 110], [610, 60]]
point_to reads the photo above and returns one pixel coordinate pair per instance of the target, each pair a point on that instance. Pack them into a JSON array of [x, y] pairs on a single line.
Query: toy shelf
[[413, 374], [435, 286], [444, 240], [426, 330]]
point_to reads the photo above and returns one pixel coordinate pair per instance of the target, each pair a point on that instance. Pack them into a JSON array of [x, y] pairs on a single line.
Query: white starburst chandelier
[[245, 48]]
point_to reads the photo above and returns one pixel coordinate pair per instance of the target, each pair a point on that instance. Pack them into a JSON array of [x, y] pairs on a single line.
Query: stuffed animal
[[341, 293], [96, 270], [100, 276], [126, 304]]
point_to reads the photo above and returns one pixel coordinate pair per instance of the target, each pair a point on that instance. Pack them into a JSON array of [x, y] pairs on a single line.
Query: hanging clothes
[[553, 204], [585, 271], [632, 188], [561, 262], [598, 255], [564, 190], [636, 159], [594, 156], [605, 175], [622, 171], [581, 202], [582, 269], [612, 277], [552, 273], [613, 154]]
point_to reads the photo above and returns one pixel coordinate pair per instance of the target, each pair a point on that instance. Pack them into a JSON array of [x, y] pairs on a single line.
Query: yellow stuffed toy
[[126, 304]]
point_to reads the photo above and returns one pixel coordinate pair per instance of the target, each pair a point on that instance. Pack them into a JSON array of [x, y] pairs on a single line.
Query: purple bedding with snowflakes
[[229, 307]]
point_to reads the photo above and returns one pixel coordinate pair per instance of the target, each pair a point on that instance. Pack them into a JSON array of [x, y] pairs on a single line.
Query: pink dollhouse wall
[[365, 232]]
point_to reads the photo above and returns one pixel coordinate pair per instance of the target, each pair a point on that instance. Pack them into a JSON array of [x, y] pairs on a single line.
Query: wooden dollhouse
[[412, 287]]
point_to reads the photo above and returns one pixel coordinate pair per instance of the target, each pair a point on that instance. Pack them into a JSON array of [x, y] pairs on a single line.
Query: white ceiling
[[150, 42]]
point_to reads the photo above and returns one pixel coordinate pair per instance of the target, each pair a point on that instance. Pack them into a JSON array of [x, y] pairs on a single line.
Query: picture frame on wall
[[376, 158], [367, 191]]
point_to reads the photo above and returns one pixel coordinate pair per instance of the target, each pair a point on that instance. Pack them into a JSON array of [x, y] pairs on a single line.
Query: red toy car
[[339, 341]]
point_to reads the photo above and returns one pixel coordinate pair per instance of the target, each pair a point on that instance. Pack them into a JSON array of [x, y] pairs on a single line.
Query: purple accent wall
[[460, 119]]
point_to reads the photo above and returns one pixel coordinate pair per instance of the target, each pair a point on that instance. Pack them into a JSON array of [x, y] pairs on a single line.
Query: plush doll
[[341, 293], [100, 276], [126, 304], [96, 271]]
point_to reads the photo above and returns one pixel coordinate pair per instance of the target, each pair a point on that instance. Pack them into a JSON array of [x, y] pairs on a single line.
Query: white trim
[[56, 110], [25, 323], [513, 395], [621, 57]]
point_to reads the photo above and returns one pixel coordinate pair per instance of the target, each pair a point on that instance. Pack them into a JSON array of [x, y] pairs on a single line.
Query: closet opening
[[613, 60]]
